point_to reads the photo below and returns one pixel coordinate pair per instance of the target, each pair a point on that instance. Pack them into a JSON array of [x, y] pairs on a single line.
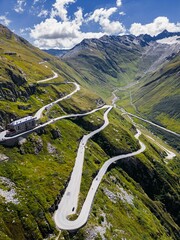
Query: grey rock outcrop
[[55, 133]]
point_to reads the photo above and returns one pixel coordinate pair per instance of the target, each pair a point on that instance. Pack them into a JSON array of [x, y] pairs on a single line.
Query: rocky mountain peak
[[166, 34]]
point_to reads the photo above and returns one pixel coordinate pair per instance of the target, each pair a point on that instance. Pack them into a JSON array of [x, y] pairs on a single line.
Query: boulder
[[55, 133], [3, 157]]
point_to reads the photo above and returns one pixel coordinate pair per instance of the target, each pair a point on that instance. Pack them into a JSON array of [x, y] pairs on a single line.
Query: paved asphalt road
[[48, 106], [48, 79], [38, 114], [170, 154], [69, 201]]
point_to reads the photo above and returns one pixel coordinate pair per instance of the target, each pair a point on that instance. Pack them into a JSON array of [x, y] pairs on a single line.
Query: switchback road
[[69, 202], [48, 106]]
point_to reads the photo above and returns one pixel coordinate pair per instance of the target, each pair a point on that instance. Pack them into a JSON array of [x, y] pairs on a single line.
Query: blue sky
[[64, 23]]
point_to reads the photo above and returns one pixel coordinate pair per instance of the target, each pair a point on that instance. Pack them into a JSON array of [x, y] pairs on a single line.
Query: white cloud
[[53, 34], [66, 32], [100, 13], [78, 17], [20, 5], [119, 3], [59, 9], [102, 16], [23, 31], [52, 29], [114, 27], [66, 43], [4, 20], [157, 26], [36, 1], [39, 2], [43, 13], [122, 13]]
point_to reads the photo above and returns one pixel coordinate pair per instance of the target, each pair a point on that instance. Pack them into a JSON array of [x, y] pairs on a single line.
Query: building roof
[[22, 120]]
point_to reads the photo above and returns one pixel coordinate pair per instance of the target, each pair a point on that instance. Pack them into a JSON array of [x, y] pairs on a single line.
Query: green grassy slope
[[21, 66], [105, 63], [40, 173], [158, 96], [20, 57]]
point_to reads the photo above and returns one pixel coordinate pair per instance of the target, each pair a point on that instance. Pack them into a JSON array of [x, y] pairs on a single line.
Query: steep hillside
[[158, 96], [114, 61], [21, 66], [107, 62], [138, 197], [155, 56], [20, 60], [126, 200]]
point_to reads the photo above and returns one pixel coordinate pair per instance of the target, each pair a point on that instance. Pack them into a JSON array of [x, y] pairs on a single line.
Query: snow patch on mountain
[[170, 40]]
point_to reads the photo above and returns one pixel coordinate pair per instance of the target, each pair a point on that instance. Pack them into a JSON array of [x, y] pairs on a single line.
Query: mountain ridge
[[117, 60], [145, 37]]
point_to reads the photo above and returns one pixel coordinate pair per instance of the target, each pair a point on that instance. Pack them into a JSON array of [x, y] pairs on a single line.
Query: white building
[[22, 124]]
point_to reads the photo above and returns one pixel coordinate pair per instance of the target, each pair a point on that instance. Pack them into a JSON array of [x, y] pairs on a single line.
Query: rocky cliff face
[[5, 118], [17, 78], [11, 92]]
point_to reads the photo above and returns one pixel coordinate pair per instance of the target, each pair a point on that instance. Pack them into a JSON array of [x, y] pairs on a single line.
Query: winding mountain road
[[69, 202], [48, 106], [38, 114], [49, 122], [48, 79]]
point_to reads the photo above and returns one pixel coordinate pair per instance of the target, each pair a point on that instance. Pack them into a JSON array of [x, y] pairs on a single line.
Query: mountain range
[[113, 61], [138, 197]]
